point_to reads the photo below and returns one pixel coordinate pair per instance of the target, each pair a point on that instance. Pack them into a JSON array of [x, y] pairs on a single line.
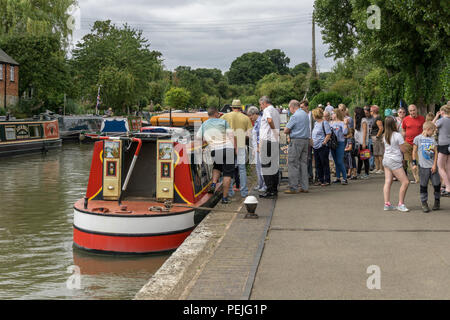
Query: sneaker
[[226, 201], [262, 190], [365, 177], [425, 207], [303, 191], [344, 182], [290, 191], [389, 208], [336, 181], [437, 205], [267, 195], [379, 172], [445, 194], [354, 178], [402, 208]]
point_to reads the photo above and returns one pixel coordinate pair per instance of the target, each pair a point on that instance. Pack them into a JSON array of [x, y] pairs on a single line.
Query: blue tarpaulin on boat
[[114, 125]]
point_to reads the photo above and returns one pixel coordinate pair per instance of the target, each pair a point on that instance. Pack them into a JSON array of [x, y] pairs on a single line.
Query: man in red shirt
[[412, 127]]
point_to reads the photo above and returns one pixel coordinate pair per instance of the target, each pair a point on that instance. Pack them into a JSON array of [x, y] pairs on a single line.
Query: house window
[[1, 72], [12, 73]]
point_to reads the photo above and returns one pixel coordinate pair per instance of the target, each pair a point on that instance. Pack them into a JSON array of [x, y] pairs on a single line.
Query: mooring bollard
[[251, 203]]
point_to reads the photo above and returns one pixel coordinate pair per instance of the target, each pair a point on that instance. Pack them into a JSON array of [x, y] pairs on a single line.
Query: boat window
[[35, 131], [22, 131], [201, 172], [10, 133]]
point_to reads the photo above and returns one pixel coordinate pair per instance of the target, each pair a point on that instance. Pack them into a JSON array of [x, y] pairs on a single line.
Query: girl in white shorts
[[393, 165]]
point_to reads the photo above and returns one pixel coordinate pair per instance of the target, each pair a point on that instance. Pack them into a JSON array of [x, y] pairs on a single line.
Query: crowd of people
[[326, 141]]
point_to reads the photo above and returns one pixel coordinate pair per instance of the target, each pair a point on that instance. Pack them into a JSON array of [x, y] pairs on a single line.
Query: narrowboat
[[26, 136], [180, 119], [146, 192], [114, 126], [72, 127]]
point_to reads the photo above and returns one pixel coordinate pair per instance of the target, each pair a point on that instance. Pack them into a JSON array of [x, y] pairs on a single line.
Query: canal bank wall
[[177, 275]]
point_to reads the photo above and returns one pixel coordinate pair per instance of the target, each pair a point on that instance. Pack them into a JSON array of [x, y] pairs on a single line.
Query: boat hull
[[131, 234], [17, 148]]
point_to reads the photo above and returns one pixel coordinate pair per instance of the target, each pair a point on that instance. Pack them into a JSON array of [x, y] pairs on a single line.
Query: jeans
[[298, 164], [425, 176], [322, 164], [338, 157], [370, 147], [261, 183], [240, 164], [310, 166]]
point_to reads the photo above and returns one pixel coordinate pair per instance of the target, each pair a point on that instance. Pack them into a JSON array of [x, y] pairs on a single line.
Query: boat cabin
[[23, 136]]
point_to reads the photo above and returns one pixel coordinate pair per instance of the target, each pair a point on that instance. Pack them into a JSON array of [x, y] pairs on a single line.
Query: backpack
[[333, 142]]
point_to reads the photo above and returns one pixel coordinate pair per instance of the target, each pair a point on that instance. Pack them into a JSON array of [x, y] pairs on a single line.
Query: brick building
[[9, 80]]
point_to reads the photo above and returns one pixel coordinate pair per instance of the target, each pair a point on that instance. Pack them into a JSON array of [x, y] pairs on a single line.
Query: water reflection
[[37, 193]]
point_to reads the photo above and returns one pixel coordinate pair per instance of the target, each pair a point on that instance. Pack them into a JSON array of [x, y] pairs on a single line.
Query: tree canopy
[[109, 50], [412, 41]]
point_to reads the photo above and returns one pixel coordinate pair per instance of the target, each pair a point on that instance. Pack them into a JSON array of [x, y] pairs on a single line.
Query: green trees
[[119, 57], [301, 68], [43, 69], [279, 59], [36, 17], [178, 98], [411, 43], [249, 68], [322, 98]]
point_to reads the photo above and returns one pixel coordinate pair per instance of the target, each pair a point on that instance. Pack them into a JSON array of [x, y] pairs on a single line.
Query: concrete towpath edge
[[176, 275]]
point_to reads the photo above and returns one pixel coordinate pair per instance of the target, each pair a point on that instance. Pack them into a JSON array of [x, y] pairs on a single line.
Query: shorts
[[378, 146], [444, 149], [223, 160], [408, 152], [392, 164]]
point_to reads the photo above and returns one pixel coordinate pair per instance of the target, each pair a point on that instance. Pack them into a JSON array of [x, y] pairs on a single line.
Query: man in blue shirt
[[299, 134]]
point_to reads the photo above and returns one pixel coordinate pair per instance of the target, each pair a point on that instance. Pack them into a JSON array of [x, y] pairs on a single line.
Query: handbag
[[364, 154], [332, 143]]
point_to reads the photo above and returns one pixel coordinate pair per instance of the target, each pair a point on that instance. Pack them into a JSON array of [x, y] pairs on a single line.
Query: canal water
[[37, 259]]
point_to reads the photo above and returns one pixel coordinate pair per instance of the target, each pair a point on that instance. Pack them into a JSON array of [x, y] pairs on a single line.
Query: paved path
[[230, 273], [320, 245]]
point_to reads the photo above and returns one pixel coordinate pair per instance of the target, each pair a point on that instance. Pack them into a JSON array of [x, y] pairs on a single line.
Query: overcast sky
[[212, 33]]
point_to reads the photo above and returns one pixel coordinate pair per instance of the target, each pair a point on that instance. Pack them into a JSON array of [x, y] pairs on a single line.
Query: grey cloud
[[212, 33]]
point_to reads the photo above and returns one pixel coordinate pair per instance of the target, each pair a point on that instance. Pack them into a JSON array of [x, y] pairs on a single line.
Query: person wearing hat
[[241, 125]]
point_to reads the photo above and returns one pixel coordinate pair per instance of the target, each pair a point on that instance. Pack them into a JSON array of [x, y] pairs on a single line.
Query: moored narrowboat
[[146, 193], [26, 136]]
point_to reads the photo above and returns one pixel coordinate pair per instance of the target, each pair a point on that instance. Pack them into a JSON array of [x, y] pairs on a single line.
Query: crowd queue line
[[336, 143]]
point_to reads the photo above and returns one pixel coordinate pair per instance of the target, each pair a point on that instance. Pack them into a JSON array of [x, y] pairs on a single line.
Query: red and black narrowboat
[[143, 192]]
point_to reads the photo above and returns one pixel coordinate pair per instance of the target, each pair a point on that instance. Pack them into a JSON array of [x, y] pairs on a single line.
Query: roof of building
[[4, 58]]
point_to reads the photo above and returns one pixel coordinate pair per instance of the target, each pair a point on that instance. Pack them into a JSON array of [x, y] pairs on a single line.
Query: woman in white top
[[393, 165]]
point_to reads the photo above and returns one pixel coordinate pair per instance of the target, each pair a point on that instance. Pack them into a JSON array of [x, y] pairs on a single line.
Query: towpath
[[327, 244]]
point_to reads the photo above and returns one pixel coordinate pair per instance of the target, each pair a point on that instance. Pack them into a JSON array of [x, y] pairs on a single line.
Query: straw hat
[[236, 104]]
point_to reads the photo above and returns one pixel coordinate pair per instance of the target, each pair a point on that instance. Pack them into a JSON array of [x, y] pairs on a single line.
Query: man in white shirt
[[269, 135]]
